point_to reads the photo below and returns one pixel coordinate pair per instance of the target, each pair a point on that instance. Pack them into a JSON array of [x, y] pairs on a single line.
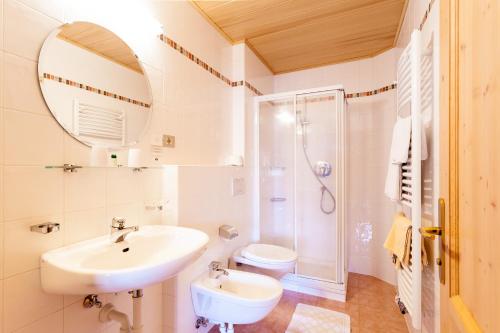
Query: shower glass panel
[[301, 179], [276, 162], [316, 166]]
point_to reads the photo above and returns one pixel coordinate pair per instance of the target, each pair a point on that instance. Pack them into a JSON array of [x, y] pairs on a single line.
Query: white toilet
[[277, 259]]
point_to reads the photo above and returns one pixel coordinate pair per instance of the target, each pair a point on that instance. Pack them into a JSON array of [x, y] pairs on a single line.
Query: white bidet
[[236, 298]]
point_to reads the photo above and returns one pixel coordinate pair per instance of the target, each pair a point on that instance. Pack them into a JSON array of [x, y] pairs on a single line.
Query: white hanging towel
[[393, 182], [401, 136]]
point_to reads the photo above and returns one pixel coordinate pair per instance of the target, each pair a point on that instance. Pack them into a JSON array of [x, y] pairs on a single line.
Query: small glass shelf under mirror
[[75, 168]]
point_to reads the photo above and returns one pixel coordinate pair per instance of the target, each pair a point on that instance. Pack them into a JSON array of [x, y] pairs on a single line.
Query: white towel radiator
[[409, 91], [98, 122]]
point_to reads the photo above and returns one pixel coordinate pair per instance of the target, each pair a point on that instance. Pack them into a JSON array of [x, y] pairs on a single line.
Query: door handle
[[432, 232], [440, 261]]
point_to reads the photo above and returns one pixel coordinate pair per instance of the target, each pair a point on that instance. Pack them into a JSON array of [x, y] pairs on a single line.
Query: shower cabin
[[300, 184]]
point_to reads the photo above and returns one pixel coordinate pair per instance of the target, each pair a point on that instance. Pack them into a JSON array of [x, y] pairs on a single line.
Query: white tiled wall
[[369, 127], [203, 200], [201, 197], [202, 112], [188, 102], [83, 203]]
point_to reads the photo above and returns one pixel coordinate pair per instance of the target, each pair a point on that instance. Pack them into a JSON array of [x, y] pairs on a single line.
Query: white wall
[[197, 107], [83, 202], [262, 79], [204, 201], [188, 102], [370, 120]]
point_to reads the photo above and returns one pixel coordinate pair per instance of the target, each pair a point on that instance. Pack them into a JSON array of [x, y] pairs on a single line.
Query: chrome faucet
[[118, 226], [215, 270]]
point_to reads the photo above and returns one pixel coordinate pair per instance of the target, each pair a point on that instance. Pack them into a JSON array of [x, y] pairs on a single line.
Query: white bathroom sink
[[237, 298], [150, 255]]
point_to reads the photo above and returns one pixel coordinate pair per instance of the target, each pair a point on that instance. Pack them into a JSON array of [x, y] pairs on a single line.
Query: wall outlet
[[238, 186], [168, 141]]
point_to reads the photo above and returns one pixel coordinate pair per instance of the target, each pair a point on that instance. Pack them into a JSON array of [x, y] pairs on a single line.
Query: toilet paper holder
[[228, 232]]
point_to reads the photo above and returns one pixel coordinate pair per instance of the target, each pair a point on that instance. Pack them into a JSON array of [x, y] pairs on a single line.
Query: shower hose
[[324, 188]]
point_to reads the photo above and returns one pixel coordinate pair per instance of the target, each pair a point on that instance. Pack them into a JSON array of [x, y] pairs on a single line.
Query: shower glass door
[[316, 168], [301, 179], [276, 172]]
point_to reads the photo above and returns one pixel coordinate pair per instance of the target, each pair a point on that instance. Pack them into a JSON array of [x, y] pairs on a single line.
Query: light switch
[[238, 186]]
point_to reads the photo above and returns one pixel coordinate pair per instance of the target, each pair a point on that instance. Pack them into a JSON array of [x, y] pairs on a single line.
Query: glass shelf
[[75, 168]]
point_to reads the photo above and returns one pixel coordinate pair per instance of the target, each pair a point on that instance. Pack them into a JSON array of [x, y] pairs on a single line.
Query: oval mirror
[[94, 85]]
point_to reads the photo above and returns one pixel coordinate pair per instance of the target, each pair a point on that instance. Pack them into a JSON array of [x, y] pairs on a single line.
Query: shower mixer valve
[[323, 169]]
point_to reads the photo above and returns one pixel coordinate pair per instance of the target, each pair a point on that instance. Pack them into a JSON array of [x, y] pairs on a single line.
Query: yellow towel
[[398, 240], [425, 259], [407, 255]]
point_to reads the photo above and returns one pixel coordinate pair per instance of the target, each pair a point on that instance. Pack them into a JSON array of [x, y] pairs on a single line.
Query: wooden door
[[470, 164]]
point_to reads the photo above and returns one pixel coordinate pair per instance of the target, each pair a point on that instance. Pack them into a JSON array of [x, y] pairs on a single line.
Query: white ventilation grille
[[97, 122]]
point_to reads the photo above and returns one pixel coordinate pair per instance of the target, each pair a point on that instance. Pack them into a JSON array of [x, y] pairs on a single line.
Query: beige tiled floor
[[370, 303]]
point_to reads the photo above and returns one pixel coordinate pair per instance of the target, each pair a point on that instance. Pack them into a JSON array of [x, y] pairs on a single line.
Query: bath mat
[[311, 319]]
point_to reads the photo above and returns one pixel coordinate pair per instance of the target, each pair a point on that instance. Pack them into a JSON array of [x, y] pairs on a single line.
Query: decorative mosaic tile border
[[247, 85], [331, 98], [426, 15], [371, 92], [195, 59], [237, 83], [94, 90], [173, 44], [168, 41], [253, 89]]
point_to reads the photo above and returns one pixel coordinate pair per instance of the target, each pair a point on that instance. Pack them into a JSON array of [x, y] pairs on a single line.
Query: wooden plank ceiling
[[100, 41], [290, 35]]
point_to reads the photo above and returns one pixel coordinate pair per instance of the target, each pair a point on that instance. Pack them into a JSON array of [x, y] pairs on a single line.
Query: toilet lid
[[267, 253]]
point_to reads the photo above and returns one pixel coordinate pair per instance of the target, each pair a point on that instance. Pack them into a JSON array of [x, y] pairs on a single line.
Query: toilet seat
[[266, 256], [267, 253]]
